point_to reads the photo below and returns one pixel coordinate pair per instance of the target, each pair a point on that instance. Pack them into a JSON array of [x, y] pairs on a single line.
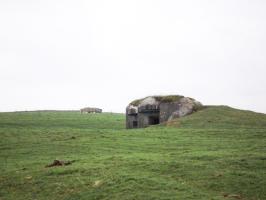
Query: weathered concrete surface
[[91, 110], [167, 109], [146, 119], [132, 109], [149, 101], [132, 121], [132, 116]]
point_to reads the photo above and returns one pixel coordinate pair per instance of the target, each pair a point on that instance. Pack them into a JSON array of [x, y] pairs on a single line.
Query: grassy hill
[[216, 153], [221, 117]]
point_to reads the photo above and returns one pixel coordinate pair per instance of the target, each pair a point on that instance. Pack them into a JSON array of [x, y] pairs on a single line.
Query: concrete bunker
[[154, 110], [91, 110]]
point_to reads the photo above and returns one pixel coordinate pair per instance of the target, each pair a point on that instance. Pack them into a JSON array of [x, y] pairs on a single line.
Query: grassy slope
[[214, 153], [221, 117]]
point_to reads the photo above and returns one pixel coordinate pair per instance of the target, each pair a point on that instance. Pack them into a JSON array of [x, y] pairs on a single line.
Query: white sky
[[68, 54]]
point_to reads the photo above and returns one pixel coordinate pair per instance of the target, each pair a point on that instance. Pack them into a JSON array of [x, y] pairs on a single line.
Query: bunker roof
[[161, 99]]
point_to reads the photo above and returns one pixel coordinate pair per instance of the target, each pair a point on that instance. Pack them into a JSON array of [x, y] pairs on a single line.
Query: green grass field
[[216, 153]]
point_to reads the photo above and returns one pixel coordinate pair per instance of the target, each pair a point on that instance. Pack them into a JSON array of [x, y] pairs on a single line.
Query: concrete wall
[[167, 109], [144, 118], [130, 119]]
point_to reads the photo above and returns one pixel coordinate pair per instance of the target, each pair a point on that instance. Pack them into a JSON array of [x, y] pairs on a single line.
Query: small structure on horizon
[[91, 110], [153, 110]]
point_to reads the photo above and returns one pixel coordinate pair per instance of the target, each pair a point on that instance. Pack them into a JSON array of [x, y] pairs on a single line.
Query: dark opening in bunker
[[135, 124], [154, 120]]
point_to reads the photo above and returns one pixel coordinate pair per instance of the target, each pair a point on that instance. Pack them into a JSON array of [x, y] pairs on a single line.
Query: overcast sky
[[68, 54]]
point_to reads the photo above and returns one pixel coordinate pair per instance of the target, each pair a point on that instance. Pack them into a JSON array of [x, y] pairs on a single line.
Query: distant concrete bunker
[[154, 110], [90, 110]]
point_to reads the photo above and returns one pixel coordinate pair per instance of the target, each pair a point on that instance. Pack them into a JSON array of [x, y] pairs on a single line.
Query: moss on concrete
[[161, 99], [168, 98]]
